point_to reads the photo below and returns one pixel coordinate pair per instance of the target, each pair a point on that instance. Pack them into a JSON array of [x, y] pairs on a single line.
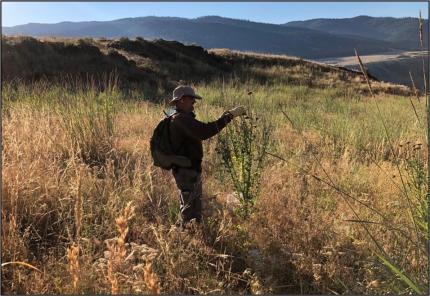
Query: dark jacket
[[187, 134]]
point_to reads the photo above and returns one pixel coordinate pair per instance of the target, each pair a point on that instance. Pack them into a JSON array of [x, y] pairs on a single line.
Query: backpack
[[161, 146]]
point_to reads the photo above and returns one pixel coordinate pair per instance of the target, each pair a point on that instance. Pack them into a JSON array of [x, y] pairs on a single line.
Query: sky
[[17, 13]]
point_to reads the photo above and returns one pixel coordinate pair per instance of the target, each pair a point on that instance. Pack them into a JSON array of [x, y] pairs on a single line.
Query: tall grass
[[394, 130], [87, 113], [73, 159], [88, 118], [413, 180]]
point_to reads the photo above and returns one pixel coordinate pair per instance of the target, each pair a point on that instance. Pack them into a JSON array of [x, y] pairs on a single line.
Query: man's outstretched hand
[[238, 111]]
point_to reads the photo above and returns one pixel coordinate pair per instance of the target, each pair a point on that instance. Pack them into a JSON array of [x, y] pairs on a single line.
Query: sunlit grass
[[301, 238]]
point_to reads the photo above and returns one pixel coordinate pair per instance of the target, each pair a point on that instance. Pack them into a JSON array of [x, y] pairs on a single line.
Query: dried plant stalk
[[111, 270], [151, 280], [363, 70], [117, 250], [422, 58], [73, 258], [78, 205], [416, 94]]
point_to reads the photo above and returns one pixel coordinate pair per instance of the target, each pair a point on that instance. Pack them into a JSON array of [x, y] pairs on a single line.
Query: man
[[187, 134]]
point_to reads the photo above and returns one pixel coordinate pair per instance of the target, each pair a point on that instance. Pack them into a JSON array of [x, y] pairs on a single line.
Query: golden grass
[[116, 248], [151, 280], [73, 257], [107, 227]]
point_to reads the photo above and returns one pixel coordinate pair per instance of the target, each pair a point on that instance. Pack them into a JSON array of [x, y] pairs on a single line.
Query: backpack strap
[[168, 132], [169, 118]]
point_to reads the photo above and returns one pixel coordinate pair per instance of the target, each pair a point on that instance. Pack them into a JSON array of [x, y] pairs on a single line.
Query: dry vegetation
[[85, 211]]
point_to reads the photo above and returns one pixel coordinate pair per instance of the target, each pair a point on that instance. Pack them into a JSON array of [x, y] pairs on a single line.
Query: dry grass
[[73, 257], [116, 249], [106, 227]]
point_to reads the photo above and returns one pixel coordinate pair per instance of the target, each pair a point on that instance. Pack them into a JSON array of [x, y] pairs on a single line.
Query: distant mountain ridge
[[306, 39], [397, 30]]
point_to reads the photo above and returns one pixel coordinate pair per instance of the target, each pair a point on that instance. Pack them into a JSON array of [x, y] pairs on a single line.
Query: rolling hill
[[218, 32], [154, 66]]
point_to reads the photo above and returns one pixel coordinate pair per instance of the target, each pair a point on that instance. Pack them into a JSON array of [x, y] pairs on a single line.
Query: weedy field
[[319, 190]]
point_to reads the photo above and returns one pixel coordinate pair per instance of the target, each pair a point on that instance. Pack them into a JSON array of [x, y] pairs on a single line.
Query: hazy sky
[[14, 13]]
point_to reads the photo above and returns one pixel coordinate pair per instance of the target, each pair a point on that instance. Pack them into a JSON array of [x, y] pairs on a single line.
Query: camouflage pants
[[189, 183]]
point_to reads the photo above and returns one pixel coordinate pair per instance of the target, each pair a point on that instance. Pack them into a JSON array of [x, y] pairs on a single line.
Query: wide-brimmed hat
[[181, 91]]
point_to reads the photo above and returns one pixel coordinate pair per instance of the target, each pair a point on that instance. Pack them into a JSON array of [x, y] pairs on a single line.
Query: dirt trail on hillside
[[352, 60]]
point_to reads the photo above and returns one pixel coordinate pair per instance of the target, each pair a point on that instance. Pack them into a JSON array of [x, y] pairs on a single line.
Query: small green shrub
[[243, 149]]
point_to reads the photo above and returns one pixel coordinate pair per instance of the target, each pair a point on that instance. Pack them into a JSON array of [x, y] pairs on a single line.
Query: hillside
[[156, 66], [391, 67], [219, 32]]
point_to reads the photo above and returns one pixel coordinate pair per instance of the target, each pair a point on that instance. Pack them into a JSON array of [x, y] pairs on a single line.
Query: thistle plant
[[242, 148]]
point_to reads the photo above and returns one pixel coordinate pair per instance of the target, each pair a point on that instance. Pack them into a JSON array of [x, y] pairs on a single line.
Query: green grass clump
[[89, 121]]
